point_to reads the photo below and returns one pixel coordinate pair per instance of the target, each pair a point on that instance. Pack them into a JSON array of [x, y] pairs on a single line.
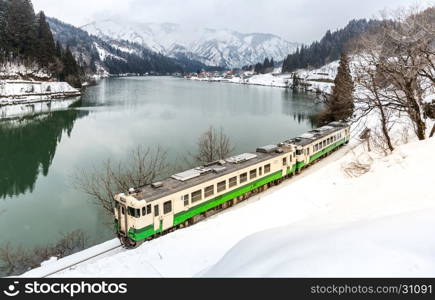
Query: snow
[[376, 224], [16, 91], [15, 70], [272, 80], [103, 54], [396, 246], [54, 264], [19, 97], [31, 107]]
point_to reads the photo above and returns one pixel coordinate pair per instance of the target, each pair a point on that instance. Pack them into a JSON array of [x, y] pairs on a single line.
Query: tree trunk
[[432, 132]]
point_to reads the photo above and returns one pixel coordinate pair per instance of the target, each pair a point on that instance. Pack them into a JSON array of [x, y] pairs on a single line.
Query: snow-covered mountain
[[224, 48]]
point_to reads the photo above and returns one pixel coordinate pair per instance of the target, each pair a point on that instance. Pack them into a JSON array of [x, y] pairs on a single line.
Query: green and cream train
[[183, 199]]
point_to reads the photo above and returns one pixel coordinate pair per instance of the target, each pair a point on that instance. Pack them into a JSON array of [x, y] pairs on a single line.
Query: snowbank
[[15, 70], [269, 79], [377, 224], [32, 107], [21, 97]]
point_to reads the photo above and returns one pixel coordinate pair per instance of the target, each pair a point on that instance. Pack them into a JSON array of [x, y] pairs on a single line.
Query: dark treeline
[[329, 48], [26, 38], [261, 68]]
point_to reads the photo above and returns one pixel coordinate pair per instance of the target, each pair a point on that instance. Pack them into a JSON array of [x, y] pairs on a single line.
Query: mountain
[[329, 48], [223, 48], [117, 56]]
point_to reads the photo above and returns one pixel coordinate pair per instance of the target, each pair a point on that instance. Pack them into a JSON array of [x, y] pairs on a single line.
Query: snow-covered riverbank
[[19, 97], [19, 91]]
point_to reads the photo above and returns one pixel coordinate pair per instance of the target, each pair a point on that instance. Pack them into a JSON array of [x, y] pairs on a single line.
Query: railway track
[[63, 268]]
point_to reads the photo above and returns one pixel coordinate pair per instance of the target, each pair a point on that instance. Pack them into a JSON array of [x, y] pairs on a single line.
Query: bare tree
[[212, 145], [369, 98], [143, 167], [395, 63], [17, 260]]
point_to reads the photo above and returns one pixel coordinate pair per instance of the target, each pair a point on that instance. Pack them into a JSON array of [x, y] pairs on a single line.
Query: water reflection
[[28, 146]]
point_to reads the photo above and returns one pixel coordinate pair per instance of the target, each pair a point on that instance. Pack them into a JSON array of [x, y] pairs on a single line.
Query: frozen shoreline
[[19, 97]]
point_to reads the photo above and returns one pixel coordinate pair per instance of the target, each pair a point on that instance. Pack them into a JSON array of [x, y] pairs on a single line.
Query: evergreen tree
[[20, 28], [3, 33], [339, 105], [46, 49], [71, 70], [328, 48]]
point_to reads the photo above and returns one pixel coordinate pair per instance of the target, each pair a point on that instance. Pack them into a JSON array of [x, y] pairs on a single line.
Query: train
[[147, 212]]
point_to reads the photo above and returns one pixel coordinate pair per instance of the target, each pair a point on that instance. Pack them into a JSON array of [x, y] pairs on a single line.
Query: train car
[[187, 197]]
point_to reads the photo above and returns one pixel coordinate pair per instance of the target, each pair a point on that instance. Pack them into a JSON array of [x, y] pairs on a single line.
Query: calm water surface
[[39, 154]]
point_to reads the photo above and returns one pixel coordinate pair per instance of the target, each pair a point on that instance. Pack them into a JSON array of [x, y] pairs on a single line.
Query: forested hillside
[[328, 48], [26, 39]]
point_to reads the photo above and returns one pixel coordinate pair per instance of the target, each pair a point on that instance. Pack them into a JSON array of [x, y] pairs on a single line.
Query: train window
[[148, 209], [243, 177], [252, 174], [221, 186], [144, 211], [156, 210], [308, 151], [185, 199], [130, 211], [299, 151], [134, 212], [284, 161], [123, 210], [267, 168], [209, 191], [260, 171], [290, 158], [232, 182], [196, 196], [324, 144], [167, 207]]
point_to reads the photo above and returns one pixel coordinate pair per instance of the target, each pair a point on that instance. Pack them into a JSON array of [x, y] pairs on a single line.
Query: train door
[[122, 218], [157, 217], [168, 215]]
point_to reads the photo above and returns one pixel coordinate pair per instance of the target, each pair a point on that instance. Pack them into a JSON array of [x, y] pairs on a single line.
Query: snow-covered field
[[273, 80], [323, 222]]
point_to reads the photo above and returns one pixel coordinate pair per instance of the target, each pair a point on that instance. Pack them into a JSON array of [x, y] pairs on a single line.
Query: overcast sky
[[294, 20]]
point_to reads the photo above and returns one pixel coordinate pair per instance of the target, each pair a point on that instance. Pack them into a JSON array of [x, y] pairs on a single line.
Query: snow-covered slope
[[212, 47], [377, 224]]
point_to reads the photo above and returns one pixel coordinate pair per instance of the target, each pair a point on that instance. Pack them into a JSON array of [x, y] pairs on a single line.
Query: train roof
[[318, 133], [199, 175]]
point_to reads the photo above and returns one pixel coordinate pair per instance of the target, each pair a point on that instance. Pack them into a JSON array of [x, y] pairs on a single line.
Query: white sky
[[294, 20]]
